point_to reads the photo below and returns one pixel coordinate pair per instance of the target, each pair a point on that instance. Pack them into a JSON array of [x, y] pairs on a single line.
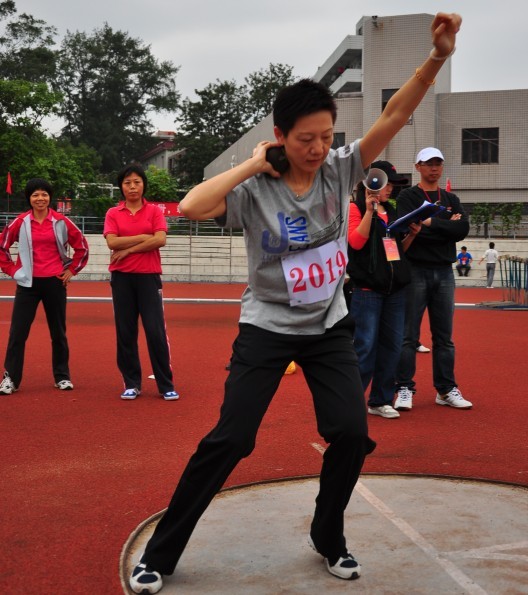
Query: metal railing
[[176, 225]]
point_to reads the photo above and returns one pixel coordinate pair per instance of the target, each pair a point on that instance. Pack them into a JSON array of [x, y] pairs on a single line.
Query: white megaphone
[[375, 181]]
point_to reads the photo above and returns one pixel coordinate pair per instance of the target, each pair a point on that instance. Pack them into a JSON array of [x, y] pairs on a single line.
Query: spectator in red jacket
[[42, 270]]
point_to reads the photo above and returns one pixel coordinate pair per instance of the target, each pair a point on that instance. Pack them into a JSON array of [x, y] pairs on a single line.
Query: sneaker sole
[[171, 398], [403, 408], [444, 404], [130, 398], [379, 414], [355, 575]]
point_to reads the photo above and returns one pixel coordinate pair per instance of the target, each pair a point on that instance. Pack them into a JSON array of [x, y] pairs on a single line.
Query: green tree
[[111, 84], [26, 46], [510, 217], [482, 214], [223, 112], [262, 88], [30, 153], [208, 126], [25, 104], [161, 185]]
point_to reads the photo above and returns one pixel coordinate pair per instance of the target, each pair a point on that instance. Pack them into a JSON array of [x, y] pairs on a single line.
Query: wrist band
[[441, 58], [418, 75]]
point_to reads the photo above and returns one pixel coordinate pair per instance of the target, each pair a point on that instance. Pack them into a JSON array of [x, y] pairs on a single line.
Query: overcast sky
[[228, 39]]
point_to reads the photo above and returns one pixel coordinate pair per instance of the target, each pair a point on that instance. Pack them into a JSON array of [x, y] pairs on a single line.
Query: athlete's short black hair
[[37, 184], [302, 98], [132, 168]]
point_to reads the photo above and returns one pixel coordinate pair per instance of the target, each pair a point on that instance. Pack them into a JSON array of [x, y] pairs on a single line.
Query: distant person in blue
[[295, 227], [464, 262]]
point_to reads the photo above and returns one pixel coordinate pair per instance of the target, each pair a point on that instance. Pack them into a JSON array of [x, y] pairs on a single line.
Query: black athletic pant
[[52, 293], [134, 295], [259, 360]]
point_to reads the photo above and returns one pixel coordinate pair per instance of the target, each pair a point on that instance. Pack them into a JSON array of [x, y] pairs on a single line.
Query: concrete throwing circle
[[411, 534]]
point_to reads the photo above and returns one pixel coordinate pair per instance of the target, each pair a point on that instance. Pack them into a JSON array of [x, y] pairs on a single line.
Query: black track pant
[[134, 295], [52, 293], [259, 360]]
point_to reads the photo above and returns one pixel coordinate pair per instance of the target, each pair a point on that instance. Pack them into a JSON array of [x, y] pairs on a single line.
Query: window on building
[[339, 140], [480, 145], [386, 94]]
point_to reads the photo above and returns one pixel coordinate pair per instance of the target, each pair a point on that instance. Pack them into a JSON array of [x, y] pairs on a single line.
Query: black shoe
[[345, 567], [145, 580]]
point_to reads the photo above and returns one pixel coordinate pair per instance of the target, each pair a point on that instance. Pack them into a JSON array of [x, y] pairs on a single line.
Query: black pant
[[463, 269], [259, 360], [52, 293], [134, 295]]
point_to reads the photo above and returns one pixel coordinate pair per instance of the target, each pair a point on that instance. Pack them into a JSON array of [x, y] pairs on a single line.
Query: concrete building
[[163, 155], [483, 135]]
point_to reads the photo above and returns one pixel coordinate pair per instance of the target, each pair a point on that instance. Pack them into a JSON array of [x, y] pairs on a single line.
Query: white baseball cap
[[429, 153]]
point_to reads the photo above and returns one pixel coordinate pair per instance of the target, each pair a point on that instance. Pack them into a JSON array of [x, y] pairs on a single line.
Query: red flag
[[448, 185], [9, 187]]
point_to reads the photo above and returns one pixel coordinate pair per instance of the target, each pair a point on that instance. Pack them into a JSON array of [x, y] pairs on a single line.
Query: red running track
[[82, 469]]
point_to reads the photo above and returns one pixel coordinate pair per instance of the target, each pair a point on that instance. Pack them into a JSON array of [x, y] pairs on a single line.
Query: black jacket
[[435, 245], [369, 268]]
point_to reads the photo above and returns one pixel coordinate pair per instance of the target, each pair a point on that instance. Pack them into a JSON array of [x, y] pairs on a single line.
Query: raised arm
[[403, 103]]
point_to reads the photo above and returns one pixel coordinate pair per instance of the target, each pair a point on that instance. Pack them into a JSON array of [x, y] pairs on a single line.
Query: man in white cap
[[432, 286]]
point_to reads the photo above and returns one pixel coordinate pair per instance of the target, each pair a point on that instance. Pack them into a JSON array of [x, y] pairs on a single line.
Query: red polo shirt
[[46, 258], [121, 222]]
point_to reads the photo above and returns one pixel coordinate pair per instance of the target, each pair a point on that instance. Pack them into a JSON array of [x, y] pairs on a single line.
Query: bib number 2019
[[312, 275]]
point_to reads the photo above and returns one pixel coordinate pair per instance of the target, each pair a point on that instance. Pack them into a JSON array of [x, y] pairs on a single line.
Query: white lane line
[[493, 552], [451, 569], [6, 298]]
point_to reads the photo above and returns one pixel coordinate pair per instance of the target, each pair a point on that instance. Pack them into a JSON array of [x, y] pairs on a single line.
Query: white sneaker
[[385, 411], [145, 580], [346, 567], [130, 394], [7, 386], [453, 398], [423, 349], [172, 395], [404, 398], [64, 385]]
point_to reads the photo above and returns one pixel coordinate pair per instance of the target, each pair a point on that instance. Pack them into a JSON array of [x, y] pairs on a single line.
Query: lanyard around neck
[[428, 197]]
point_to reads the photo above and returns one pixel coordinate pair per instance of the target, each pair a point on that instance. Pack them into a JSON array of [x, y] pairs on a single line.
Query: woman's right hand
[[259, 156]]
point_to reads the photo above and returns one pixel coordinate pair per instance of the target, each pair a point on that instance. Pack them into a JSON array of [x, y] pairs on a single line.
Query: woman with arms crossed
[[135, 231]]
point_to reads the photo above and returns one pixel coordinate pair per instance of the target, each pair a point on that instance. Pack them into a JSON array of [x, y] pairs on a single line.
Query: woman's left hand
[[118, 255], [65, 277]]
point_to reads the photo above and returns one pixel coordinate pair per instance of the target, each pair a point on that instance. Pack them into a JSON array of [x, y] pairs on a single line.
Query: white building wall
[[392, 51]]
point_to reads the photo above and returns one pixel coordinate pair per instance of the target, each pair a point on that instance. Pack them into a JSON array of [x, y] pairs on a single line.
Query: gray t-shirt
[[277, 224]]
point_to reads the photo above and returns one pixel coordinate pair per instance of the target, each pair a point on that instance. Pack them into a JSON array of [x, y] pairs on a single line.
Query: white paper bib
[[313, 275]]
